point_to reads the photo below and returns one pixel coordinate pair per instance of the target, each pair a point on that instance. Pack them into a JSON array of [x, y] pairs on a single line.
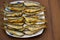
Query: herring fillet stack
[[24, 18]]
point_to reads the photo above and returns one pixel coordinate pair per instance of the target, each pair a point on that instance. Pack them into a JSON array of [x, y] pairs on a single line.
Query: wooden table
[[52, 15]]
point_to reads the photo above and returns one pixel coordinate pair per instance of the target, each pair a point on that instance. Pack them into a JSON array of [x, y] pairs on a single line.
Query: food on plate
[[10, 26], [18, 23], [15, 33], [16, 9], [31, 3], [35, 27], [31, 10], [18, 4], [33, 20], [13, 18], [20, 20], [14, 14], [25, 18]]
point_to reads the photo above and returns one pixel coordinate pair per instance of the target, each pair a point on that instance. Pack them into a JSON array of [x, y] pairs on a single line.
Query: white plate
[[25, 36]]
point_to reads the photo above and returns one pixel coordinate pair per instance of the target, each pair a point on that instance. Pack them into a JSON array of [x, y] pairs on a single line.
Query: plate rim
[[42, 30]]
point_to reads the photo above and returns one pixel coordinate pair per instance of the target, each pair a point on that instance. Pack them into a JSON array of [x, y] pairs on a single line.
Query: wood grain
[[52, 15], [55, 11]]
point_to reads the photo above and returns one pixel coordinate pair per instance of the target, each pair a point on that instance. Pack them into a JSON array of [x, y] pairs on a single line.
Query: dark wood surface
[[53, 18]]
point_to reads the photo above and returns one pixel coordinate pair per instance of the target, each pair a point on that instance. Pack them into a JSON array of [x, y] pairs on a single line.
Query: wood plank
[[55, 11]]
